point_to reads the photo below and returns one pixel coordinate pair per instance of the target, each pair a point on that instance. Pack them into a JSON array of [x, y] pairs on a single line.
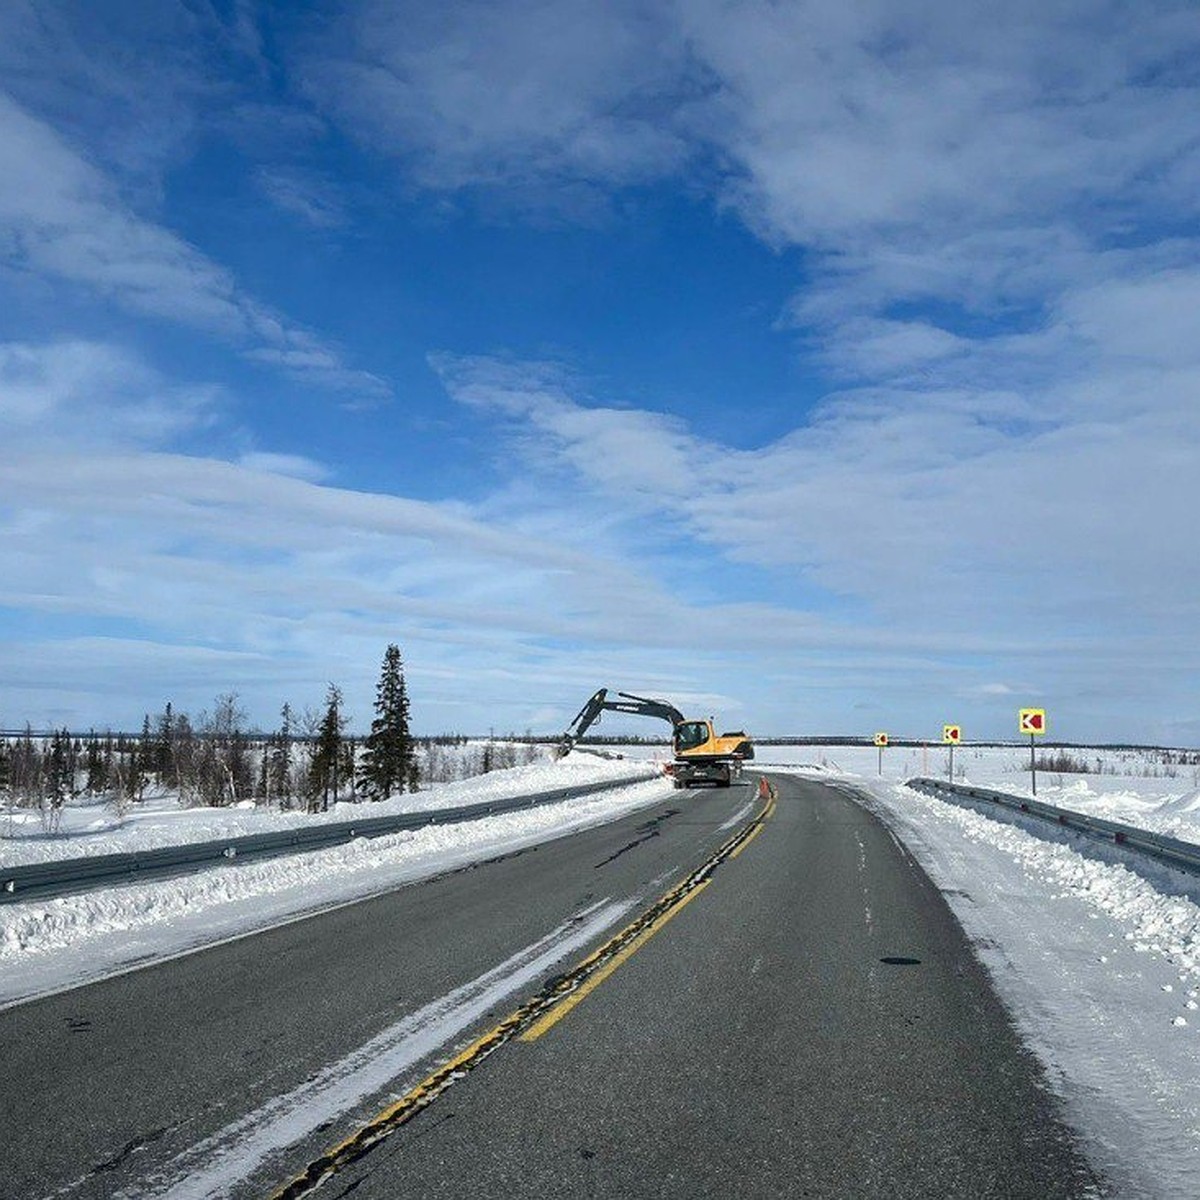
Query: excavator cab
[[690, 734]]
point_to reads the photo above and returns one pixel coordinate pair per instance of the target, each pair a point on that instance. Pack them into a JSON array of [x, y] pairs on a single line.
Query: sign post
[[881, 740], [951, 735], [1033, 722]]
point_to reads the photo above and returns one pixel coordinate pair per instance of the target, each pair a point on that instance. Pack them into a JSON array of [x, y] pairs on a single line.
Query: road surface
[[803, 1017]]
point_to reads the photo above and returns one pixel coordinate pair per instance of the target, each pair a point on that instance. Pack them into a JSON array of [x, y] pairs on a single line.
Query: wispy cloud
[[164, 575], [61, 216], [251, 565], [63, 219], [521, 94], [934, 509], [994, 207], [92, 394], [249, 573], [314, 200], [946, 152], [993, 211]]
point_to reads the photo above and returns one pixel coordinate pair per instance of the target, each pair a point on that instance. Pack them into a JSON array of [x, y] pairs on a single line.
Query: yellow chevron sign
[[1032, 721]]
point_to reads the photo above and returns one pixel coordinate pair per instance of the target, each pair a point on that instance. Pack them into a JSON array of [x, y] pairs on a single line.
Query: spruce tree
[[388, 762], [164, 749], [94, 763], [280, 776], [145, 749], [60, 776], [135, 778], [323, 778]]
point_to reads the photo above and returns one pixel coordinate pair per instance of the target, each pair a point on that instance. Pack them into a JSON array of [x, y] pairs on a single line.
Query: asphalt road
[[809, 1022]]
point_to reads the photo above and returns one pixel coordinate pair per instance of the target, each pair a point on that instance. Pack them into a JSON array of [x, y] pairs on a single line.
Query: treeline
[[214, 761], [1150, 763], [44, 773], [308, 762]]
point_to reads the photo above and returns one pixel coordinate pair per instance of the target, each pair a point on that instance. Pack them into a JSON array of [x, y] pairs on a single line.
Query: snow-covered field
[[1101, 971]]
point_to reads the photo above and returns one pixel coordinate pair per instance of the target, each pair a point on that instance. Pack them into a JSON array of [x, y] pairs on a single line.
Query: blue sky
[[826, 367]]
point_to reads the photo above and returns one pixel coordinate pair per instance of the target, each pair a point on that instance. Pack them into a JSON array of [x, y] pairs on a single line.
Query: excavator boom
[[589, 714]]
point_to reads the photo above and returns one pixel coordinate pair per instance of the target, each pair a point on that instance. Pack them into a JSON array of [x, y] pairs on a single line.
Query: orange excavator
[[701, 754]]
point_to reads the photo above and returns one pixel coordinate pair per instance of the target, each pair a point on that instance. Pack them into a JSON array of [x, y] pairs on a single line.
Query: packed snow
[[1134, 787]]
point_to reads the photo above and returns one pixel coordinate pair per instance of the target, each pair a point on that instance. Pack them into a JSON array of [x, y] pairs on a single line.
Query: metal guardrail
[[31, 881], [1171, 852]]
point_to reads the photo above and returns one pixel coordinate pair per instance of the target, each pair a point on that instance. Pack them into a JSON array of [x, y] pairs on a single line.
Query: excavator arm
[[589, 714]]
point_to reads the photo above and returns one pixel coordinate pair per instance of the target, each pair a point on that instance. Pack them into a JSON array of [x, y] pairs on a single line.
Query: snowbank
[[94, 828], [52, 944]]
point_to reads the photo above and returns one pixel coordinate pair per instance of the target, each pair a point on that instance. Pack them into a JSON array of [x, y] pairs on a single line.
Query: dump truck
[[701, 754]]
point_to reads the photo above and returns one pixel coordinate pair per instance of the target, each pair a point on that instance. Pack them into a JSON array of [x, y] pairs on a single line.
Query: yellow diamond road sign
[[1033, 721], [881, 739], [952, 734]]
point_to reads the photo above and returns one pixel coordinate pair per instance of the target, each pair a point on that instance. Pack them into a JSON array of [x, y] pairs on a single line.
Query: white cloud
[[513, 94], [936, 116], [878, 349], [126, 80], [59, 215], [210, 575], [293, 465], [74, 392], [997, 209], [1153, 318], [316, 201], [955, 152], [940, 513], [636, 453], [62, 218]]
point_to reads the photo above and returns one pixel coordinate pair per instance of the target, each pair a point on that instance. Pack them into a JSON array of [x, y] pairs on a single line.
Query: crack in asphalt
[[653, 830]]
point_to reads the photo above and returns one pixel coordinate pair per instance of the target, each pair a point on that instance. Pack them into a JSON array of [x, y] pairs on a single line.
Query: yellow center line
[[530, 1021], [757, 830], [560, 1010]]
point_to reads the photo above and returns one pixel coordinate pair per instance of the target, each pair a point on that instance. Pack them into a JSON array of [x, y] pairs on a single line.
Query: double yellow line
[[593, 981], [763, 817], [534, 1018]]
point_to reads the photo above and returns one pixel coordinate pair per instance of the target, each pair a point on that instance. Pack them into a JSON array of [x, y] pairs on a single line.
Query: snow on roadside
[[49, 945], [1133, 788], [95, 828]]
